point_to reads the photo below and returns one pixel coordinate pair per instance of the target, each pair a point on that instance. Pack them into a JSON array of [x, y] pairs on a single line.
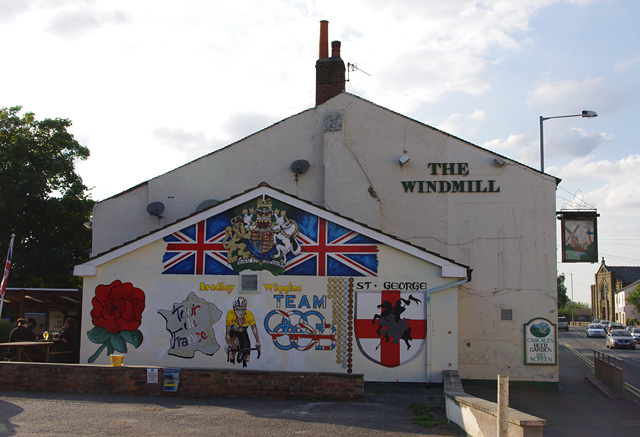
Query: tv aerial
[[354, 67]]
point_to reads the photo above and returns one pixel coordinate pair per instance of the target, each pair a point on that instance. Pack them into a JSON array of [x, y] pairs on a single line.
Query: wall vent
[[249, 282], [506, 314]]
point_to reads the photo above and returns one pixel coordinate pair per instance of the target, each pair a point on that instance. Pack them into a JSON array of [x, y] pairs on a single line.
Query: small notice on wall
[[540, 343], [171, 379], [152, 376]]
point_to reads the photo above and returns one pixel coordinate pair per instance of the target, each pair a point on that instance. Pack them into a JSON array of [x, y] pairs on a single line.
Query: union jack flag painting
[[329, 249], [198, 249], [266, 234]]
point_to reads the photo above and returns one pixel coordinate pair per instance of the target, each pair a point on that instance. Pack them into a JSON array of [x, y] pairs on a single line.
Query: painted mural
[[300, 329], [116, 316], [239, 321], [389, 323], [340, 292], [320, 302], [266, 234], [190, 324]]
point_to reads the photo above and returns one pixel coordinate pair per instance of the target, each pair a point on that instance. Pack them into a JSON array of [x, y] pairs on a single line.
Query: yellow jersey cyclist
[[239, 319]]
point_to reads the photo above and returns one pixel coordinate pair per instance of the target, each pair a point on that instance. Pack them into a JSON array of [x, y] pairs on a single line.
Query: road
[[576, 341]]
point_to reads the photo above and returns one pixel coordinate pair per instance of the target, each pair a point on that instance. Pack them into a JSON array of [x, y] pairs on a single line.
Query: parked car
[[635, 333], [614, 325], [563, 324], [595, 330], [619, 338]]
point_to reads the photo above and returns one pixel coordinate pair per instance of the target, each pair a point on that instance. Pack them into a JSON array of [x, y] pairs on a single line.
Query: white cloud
[[181, 139], [519, 147], [424, 51], [71, 25], [572, 96], [621, 187], [9, 9], [574, 142], [477, 115], [627, 64], [459, 124], [243, 124]]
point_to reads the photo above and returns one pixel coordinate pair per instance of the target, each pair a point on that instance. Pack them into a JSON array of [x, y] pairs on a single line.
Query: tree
[[563, 299], [633, 298], [581, 305], [42, 200]]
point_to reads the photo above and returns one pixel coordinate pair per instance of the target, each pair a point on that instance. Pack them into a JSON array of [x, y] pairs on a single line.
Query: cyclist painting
[[239, 319]]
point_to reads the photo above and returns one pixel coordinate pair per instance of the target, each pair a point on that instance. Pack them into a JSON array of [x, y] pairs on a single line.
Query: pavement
[[578, 406]]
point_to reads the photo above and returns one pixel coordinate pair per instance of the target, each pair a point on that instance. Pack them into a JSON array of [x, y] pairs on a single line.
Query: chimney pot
[[324, 40], [335, 49]]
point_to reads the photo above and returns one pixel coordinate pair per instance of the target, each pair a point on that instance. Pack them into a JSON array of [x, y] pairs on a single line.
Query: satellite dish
[[206, 204], [300, 166], [155, 209]]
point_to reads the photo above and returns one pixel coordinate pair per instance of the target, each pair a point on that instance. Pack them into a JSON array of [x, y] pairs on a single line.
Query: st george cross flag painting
[[390, 326]]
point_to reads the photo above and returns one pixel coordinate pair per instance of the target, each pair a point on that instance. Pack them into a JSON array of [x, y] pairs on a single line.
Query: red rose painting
[[117, 307], [116, 316]]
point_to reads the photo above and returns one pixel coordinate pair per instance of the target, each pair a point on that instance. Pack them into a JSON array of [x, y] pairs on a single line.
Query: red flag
[[7, 265]]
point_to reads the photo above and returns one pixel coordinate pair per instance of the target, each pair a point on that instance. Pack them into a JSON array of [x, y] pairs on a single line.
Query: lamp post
[[571, 294], [584, 114]]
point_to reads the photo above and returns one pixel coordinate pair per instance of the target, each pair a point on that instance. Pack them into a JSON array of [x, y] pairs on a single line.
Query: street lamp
[[571, 293], [584, 114]]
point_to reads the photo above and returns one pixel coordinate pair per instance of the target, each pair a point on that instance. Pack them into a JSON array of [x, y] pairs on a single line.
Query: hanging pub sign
[[579, 232], [540, 343]]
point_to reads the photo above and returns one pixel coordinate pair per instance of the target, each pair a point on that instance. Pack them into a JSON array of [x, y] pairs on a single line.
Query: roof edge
[[451, 268]]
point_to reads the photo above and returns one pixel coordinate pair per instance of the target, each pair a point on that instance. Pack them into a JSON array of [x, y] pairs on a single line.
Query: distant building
[[625, 310], [582, 314], [606, 303]]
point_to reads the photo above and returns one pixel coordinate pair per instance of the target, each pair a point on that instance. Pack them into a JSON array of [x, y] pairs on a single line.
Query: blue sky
[[150, 85]]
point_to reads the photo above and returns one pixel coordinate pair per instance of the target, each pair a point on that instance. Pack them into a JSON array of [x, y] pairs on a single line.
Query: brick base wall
[[196, 383]]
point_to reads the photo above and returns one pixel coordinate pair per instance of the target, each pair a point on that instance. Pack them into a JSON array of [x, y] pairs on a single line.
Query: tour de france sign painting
[[540, 346]]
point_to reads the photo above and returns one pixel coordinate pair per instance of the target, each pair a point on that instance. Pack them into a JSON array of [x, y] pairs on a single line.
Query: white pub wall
[[507, 237]]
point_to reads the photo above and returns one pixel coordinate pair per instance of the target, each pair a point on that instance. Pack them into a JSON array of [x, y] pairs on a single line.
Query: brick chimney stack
[[330, 78]]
